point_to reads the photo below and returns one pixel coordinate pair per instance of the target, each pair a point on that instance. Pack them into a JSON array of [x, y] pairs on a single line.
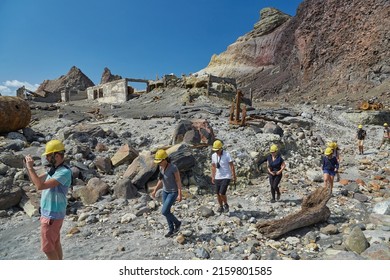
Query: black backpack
[[361, 134]]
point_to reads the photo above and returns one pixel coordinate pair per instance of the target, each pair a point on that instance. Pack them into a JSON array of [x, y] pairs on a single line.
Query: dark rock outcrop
[[108, 77]]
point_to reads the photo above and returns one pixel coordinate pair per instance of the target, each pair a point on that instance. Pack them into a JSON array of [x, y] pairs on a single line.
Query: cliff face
[[254, 51], [330, 50]]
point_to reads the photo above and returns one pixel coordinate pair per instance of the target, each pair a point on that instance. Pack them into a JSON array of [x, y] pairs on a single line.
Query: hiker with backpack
[[336, 153], [360, 136], [330, 167]]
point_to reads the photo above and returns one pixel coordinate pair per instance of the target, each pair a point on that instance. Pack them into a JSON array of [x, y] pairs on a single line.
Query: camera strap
[[220, 157]]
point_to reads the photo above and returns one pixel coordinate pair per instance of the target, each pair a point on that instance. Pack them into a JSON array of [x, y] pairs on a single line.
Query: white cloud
[[9, 87]]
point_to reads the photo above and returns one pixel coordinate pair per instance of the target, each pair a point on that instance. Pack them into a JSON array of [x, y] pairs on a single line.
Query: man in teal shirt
[[54, 185]]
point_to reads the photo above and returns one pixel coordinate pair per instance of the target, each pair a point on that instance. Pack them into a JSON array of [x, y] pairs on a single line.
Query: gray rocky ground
[[117, 228]]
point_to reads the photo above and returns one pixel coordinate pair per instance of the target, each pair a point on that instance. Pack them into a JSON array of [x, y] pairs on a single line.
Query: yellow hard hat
[[360, 126], [53, 146], [160, 156], [385, 124], [217, 145], [273, 148], [328, 151], [332, 145]]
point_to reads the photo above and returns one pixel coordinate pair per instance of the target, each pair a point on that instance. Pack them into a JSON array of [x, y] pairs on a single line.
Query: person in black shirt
[[330, 166], [360, 135], [275, 167]]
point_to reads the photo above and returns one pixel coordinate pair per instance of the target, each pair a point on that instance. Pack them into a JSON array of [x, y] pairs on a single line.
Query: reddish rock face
[[329, 49]]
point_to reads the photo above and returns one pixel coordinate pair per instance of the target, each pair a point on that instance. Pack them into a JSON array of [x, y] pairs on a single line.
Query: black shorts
[[221, 186]]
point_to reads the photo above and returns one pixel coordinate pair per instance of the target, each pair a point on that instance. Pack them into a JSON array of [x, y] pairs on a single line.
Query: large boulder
[[193, 132], [125, 189], [10, 198], [181, 156], [15, 113], [141, 169]]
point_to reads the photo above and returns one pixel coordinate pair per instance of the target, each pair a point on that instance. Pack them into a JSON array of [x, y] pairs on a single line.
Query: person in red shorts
[[54, 186]]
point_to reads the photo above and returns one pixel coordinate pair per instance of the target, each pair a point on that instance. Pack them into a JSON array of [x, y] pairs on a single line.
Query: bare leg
[[219, 198], [53, 255], [326, 180], [59, 249], [331, 179], [223, 198]]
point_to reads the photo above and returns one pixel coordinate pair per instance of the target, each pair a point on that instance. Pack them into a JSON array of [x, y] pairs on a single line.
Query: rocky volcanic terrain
[[306, 74], [107, 222]]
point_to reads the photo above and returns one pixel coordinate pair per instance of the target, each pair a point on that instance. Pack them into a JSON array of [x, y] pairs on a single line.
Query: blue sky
[[42, 39]]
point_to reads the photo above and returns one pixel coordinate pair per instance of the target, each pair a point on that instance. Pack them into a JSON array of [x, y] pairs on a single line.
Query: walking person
[[386, 135], [275, 167], [330, 166], [222, 172], [360, 136], [336, 153], [169, 179], [54, 186]]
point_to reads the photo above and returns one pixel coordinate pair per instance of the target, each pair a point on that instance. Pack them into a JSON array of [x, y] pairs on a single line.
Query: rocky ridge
[[75, 79], [107, 76]]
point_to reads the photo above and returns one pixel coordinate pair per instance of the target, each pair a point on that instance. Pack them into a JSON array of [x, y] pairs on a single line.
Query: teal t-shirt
[[53, 201]]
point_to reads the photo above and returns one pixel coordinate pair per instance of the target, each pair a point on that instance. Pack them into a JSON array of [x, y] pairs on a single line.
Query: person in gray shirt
[[169, 179]]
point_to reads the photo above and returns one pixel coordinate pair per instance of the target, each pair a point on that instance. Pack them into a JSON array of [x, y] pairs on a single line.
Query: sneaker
[[177, 228], [169, 234], [273, 200], [220, 209], [278, 196], [226, 208]]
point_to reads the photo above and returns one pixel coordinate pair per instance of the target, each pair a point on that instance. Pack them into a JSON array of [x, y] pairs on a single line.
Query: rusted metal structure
[[234, 117]]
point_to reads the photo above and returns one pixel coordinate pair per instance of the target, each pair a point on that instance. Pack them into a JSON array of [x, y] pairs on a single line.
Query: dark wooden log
[[15, 113], [313, 210]]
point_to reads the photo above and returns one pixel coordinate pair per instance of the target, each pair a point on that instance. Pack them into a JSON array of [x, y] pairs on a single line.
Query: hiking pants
[[274, 181]]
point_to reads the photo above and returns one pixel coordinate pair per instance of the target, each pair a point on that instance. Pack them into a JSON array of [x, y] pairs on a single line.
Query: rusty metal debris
[[370, 105], [234, 117]]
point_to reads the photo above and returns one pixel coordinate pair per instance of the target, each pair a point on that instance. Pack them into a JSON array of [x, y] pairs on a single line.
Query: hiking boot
[[177, 228], [273, 200], [226, 208], [169, 234], [220, 209], [278, 196]]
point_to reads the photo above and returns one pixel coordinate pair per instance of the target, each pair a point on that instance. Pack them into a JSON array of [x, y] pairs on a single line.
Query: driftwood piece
[[15, 113], [313, 210]]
